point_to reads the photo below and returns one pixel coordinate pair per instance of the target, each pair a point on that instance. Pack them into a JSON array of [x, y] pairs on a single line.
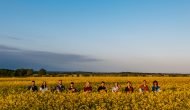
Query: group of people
[[102, 88], [142, 88]]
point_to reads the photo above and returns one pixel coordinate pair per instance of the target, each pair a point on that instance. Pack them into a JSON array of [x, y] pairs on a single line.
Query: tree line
[[21, 72], [43, 72]]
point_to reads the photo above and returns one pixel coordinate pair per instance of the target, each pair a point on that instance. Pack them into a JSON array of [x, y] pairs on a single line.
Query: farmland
[[175, 94]]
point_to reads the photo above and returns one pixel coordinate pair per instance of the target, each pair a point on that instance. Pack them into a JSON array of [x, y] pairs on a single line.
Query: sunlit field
[[175, 94]]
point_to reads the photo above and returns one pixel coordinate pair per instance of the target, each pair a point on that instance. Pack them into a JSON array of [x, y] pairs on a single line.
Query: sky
[[96, 35]]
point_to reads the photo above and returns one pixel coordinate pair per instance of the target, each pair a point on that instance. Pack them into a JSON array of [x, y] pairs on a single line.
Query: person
[[44, 87], [33, 87], [87, 87], [129, 88], [102, 88], [155, 87], [72, 89], [60, 87], [144, 87], [116, 88]]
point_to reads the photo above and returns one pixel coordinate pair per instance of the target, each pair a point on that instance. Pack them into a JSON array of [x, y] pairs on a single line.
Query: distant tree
[[11, 73], [20, 72], [29, 72], [42, 72]]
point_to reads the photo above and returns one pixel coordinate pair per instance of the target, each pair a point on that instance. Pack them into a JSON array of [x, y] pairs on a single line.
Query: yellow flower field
[[175, 94]]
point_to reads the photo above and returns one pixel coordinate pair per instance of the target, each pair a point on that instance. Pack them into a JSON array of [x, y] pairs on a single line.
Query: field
[[175, 94]]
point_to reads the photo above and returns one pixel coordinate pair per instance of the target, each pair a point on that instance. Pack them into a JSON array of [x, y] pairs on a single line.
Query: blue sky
[[96, 35]]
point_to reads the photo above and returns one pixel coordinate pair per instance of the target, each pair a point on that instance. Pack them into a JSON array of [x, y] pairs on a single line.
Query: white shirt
[[115, 89], [43, 89]]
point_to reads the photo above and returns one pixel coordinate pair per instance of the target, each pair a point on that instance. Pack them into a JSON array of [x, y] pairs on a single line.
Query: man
[[60, 87], [33, 87], [72, 88], [102, 88]]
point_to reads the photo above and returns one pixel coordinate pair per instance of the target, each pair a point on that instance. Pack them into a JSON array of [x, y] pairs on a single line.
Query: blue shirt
[[155, 88]]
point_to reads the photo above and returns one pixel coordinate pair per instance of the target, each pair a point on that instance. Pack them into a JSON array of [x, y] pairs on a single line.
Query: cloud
[[13, 58], [17, 58], [6, 48], [10, 37], [13, 38]]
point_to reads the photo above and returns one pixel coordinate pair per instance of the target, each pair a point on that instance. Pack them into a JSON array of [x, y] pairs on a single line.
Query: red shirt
[[87, 89], [144, 88]]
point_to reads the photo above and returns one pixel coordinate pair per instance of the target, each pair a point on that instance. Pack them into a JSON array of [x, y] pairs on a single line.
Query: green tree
[[42, 72], [29, 72], [20, 72]]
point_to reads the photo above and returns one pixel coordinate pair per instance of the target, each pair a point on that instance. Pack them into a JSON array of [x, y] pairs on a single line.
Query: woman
[[144, 87], [87, 87], [43, 87], [116, 88], [155, 87], [129, 88]]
